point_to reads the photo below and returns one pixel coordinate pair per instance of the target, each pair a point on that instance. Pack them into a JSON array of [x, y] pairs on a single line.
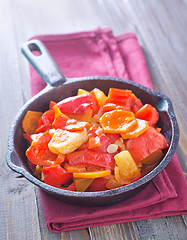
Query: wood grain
[[161, 27]]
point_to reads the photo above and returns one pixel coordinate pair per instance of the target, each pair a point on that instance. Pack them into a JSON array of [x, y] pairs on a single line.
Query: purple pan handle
[[43, 63]]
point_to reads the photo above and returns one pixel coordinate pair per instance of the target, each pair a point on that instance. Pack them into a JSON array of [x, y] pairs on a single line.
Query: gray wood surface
[[161, 26]]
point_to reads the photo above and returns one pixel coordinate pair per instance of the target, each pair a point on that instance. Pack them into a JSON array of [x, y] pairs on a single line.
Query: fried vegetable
[[30, 121]]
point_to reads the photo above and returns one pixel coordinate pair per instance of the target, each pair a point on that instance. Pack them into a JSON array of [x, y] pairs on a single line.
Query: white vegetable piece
[[112, 148], [65, 142]]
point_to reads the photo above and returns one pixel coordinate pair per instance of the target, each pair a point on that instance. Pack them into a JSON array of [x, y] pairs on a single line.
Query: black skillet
[[59, 87]]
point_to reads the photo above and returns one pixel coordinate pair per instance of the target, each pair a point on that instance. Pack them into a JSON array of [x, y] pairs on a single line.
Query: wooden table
[[161, 26]]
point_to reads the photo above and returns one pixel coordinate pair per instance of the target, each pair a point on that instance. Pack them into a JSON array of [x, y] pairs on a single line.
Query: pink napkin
[[98, 52]]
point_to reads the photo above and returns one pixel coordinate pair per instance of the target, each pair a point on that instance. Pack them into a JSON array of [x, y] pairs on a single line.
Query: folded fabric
[[100, 53]]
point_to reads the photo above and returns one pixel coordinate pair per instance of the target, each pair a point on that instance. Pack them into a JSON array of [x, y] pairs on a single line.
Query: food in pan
[[93, 142]]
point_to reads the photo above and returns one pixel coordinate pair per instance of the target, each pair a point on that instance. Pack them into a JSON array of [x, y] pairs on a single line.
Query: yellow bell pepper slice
[[30, 121], [82, 184], [82, 91], [57, 111], [119, 178], [92, 175], [128, 169], [153, 158], [113, 183], [100, 96]]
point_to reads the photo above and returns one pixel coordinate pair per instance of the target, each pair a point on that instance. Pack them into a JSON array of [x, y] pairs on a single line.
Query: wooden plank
[[18, 206], [76, 234], [154, 229], [167, 63]]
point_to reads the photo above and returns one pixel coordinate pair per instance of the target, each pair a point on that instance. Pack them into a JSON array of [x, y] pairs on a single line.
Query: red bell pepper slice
[[91, 158], [56, 175], [79, 104], [45, 122], [123, 99], [147, 143], [98, 184], [113, 137], [118, 95], [66, 123], [148, 113], [105, 142], [38, 153], [102, 147], [27, 137], [71, 187], [136, 103]]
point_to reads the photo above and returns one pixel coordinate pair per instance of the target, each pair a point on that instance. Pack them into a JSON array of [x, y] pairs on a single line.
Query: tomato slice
[[148, 113], [148, 142], [91, 158], [56, 175]]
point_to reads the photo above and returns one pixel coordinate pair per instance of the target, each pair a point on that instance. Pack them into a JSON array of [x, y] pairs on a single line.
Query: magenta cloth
[[101, 53]]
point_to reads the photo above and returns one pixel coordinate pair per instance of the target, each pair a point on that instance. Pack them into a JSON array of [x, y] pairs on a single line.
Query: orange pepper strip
[[82, 91], [141, 128], [57, 111], [92, 175], [73, 169], [94, 142], [118, 121]]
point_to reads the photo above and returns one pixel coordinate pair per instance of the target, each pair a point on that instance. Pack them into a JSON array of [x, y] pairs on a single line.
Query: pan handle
[[43, 63]]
